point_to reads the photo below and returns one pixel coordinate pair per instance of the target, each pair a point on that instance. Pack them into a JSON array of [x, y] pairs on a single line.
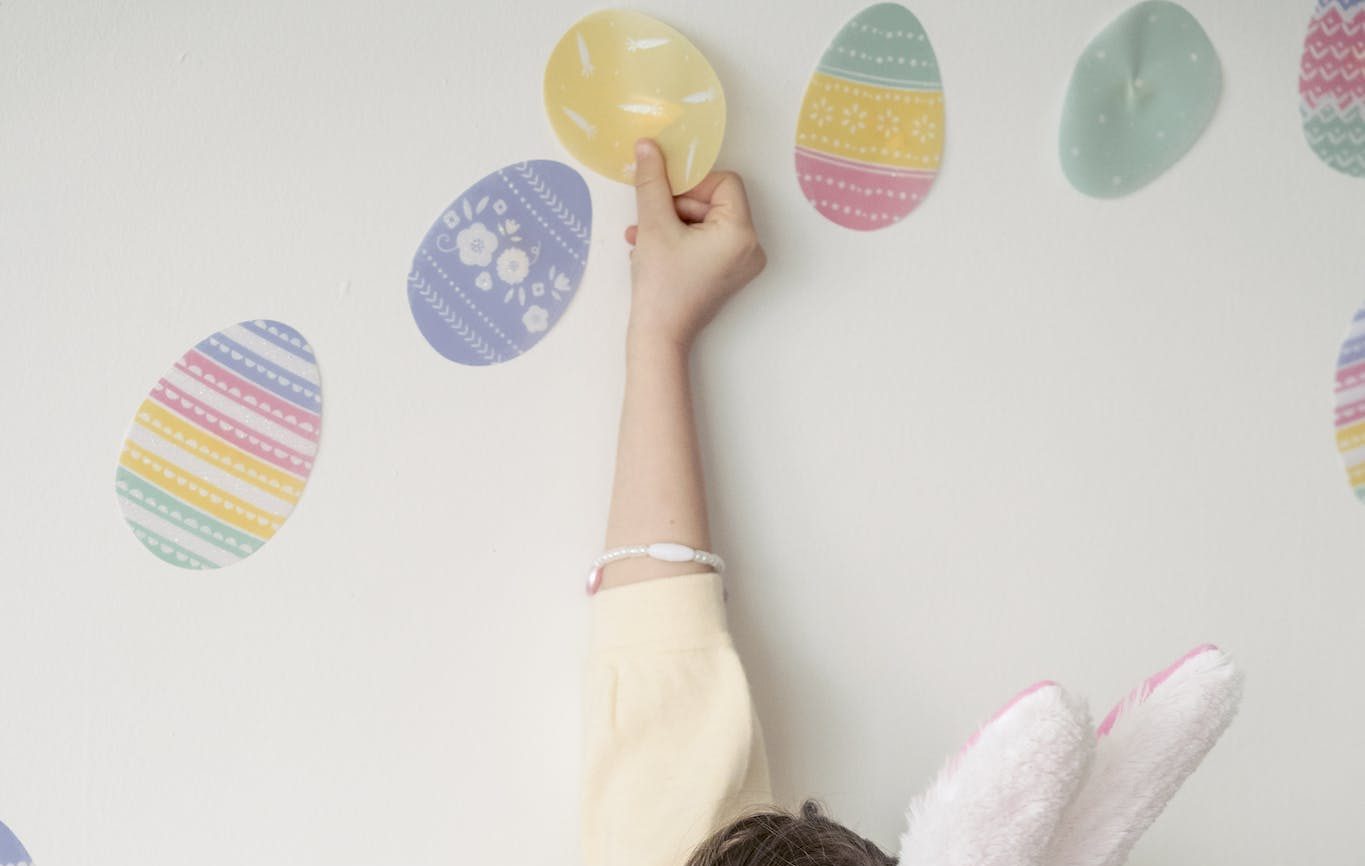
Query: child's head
[[776, 838]]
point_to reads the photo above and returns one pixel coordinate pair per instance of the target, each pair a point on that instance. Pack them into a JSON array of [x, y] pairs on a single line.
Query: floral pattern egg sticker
[[869, 139], [12, 853], [501, 264], [218, 453], [617, 76], [1332, 85]]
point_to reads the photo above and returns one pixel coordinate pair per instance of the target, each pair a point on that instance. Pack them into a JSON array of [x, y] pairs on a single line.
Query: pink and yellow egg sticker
[[869, 139], [617, 76]]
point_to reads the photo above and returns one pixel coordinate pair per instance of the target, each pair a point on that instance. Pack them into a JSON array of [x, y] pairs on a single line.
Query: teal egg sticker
[[1141, 95]]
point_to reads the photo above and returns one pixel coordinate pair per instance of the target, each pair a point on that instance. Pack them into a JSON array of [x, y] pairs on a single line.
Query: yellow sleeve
[[673, 745]]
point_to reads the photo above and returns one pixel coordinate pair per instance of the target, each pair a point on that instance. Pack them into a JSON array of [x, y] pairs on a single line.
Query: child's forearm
[[691, 253], [658, 493]]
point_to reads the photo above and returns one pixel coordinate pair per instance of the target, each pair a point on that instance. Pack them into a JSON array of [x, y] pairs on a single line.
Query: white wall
[[1022, 434]]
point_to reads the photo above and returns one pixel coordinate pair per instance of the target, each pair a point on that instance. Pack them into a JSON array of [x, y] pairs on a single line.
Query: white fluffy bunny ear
[[1148, 745], [998, 801]]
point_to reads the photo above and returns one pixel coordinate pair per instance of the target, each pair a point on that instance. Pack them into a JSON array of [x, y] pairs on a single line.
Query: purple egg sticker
[[502, 263], [12, 853]]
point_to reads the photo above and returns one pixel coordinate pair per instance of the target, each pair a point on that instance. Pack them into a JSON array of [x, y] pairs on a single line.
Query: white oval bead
[[669, 551]]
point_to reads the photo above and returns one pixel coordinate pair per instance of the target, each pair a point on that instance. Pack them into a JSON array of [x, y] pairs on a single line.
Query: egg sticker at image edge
[[220, 450], [12, 853], [500, 265], [869, 139], [617, 76], [1332, 85], [1350, 404]]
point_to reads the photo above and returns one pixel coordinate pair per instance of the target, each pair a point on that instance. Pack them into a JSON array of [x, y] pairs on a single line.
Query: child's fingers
[[691, 210], [731, 197], [724, 192], [653, 197]]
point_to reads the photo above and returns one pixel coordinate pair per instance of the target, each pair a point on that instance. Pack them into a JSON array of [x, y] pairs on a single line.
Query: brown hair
[[777, 838]]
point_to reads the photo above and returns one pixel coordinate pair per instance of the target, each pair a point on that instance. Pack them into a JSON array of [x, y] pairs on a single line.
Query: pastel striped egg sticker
[[869, 139], [1350, 404], [12, 852], [501, 264], [1332, 85], [219, 452]]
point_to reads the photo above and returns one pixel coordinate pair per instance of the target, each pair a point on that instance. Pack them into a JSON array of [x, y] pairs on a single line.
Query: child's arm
[[681, 274], [673, 745]]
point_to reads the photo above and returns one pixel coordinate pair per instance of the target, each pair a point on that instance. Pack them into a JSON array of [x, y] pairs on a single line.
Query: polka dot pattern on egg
[[1142, 93]]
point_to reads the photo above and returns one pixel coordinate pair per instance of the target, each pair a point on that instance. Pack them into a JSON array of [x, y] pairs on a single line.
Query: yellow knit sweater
[[673, 745]]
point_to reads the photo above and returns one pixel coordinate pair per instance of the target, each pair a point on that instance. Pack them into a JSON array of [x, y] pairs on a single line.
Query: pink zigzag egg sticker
[[869, 139], [1332, 85], [1350, 404], [220, 450]]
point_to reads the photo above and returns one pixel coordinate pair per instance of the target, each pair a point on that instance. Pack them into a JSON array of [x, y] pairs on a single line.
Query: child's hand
[[691, 253]]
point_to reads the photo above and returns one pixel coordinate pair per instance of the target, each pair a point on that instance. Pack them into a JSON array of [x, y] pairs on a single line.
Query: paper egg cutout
[[219, 452], [1350, 404], [869, 139], [1140, 96], [12, 853], [1332, 85], [617, 76], [501, 264]]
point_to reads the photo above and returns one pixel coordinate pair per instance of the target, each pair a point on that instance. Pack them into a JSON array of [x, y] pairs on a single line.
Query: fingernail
[[642, 148]]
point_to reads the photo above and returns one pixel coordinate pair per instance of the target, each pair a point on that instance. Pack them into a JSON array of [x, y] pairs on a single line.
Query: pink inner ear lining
[[1149, 685], [1036, 687]]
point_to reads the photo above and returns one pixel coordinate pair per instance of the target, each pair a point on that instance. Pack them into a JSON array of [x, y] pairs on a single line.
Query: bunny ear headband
[[1038, 786]]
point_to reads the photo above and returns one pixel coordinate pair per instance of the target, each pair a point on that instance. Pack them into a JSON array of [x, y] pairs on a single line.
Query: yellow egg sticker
[[617, 76]]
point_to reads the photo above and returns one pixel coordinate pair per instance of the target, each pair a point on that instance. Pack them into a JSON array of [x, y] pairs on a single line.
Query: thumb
[[653, 197]]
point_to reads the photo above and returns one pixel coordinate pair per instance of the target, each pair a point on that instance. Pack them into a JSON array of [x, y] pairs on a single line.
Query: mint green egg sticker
[[1141, 95]]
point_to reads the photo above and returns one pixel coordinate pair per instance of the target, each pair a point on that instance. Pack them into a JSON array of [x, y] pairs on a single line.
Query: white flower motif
[[484, 281], [855, 118], [924, 130], [513, 265], [450, 218], [476, 245], [537, 319], [537, 289], [888, 124], [562, 283], [822, 113], [499, 207], [510, 227]]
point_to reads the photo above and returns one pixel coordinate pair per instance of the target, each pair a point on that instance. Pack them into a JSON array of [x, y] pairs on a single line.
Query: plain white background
[[1022, 434]]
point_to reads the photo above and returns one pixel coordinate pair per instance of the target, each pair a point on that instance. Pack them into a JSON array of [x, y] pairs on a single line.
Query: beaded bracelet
[[665, 551]]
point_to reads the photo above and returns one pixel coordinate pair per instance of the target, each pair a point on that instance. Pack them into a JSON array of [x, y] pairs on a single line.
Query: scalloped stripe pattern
[[220, 450]]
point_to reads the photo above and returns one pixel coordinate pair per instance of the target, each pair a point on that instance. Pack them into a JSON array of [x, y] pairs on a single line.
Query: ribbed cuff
[[665, 612]]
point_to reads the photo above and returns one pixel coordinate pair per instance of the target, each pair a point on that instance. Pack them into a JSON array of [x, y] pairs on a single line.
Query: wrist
[[650, 344]]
